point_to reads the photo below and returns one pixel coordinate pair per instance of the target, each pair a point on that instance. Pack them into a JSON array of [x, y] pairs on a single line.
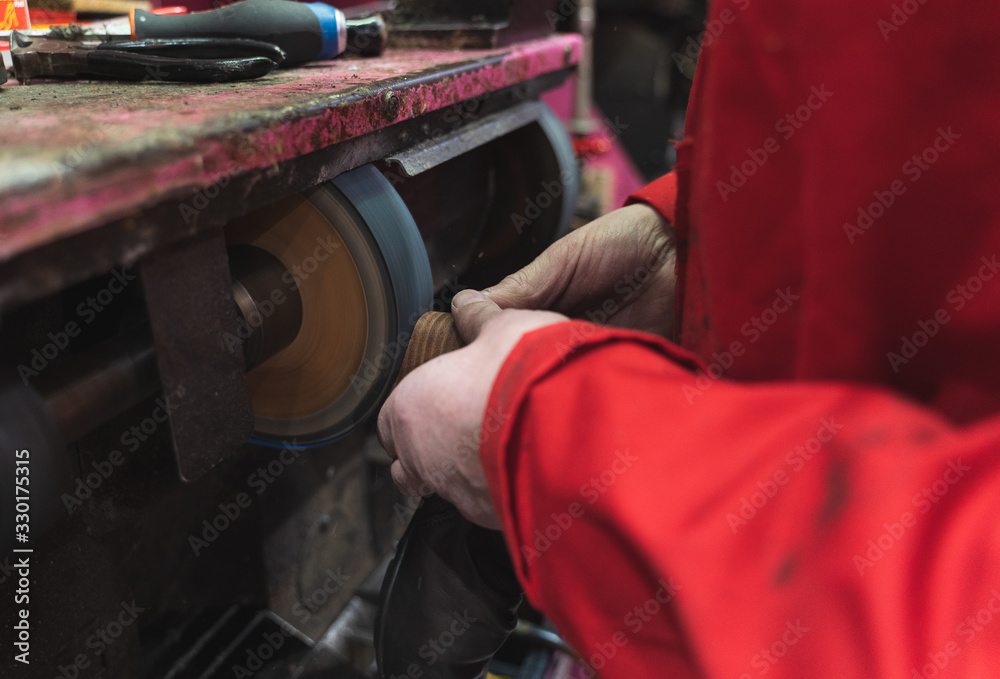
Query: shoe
[[449, 599]]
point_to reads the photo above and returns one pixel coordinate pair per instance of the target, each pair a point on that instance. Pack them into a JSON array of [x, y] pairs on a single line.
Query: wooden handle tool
[[434, 334]]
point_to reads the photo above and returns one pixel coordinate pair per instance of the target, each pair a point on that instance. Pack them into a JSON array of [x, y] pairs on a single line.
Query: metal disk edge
[[394, 237]]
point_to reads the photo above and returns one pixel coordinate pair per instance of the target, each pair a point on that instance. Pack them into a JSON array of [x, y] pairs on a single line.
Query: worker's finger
[[471, 310], [406, 484]]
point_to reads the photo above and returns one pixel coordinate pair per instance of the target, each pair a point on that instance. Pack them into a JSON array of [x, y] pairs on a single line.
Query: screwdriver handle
[[306, 31]]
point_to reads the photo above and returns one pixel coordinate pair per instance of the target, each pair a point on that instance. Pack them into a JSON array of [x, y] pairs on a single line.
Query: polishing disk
[[354, 254]]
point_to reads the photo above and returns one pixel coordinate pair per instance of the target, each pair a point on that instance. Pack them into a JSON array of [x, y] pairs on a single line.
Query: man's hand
[[431, 423], [622, 263]]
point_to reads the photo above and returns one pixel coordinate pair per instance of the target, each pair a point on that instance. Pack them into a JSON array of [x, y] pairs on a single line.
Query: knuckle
[[519, 279], [519, 283], [498, 321]]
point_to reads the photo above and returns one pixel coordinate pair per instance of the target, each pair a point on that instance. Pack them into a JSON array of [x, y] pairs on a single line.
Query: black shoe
[[449, 599]]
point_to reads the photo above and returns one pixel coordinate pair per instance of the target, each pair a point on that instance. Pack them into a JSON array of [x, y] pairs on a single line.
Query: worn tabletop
[[76, 155]]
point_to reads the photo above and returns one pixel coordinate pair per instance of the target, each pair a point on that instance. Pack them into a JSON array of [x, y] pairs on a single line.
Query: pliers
[[182, 60]]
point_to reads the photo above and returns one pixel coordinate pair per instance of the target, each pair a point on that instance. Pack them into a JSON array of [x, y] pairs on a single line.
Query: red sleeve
[[676, 525], [660, 194]]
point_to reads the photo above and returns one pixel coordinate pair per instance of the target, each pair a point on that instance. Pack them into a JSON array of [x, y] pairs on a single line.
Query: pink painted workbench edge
[[48, 202]]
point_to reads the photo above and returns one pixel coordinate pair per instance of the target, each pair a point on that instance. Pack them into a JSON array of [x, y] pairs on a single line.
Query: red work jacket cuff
[[539, 354], [661, 195]]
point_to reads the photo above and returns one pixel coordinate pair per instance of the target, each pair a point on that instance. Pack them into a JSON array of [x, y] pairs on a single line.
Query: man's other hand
[[618, 270], [431, 423]]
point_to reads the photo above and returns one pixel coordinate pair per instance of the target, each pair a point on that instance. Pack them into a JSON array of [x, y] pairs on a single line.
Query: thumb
[[537, 284], [544, 282], [471, 309]]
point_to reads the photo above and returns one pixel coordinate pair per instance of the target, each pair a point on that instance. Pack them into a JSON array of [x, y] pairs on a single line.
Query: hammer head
[[35, 57]]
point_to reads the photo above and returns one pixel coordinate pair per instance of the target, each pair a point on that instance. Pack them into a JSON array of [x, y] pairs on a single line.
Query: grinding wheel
[[355, 256]]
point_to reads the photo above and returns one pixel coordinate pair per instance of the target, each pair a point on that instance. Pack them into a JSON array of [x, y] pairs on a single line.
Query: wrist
[[660, 194]]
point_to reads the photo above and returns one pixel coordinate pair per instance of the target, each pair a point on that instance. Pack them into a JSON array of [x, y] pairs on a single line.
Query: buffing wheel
[[357, 259]]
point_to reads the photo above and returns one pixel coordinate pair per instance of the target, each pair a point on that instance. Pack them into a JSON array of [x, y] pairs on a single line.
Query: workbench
[[100, 174]]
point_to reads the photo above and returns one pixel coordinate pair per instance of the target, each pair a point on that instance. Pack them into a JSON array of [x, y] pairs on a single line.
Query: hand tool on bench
[[305, 35], [307, 31], [182, 60]]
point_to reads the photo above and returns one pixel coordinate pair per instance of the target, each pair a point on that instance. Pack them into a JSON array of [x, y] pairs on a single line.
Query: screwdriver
[[306, 31]]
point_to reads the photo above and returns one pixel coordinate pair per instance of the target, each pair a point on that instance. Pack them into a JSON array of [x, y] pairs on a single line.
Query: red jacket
[[809, 485]]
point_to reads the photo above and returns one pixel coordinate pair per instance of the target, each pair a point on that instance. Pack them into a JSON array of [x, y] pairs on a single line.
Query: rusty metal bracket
[[434, 152], [189, 295]]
